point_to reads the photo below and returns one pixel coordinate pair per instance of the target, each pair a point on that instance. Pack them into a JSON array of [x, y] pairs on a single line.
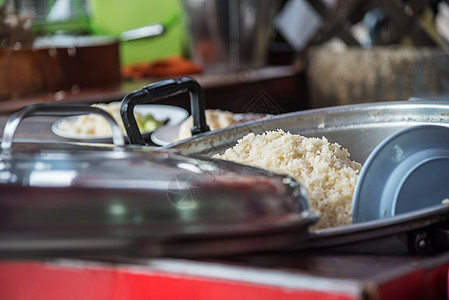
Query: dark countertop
[[283, 86]]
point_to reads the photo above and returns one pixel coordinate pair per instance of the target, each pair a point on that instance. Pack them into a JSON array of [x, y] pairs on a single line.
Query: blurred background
[[298, 53]]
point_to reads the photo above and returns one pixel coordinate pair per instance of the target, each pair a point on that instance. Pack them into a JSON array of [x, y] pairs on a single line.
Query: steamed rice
[[323, 168]]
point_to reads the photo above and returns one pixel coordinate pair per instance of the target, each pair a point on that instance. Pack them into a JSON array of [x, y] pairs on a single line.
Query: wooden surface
[[273, 90], [284, 86], [31, 71]]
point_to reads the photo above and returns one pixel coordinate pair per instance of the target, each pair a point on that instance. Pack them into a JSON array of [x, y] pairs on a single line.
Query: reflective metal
[[230, 35], [77, 199], [358, 127], [135, 200]]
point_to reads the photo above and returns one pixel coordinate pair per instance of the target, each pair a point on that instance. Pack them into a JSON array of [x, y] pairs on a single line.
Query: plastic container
[[112, 17]]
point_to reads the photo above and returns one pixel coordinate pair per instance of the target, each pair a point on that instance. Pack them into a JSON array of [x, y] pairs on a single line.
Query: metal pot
[[76, 199], [359, 128]]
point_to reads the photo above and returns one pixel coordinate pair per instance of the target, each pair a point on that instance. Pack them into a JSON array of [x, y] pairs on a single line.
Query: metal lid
[[75, 199]]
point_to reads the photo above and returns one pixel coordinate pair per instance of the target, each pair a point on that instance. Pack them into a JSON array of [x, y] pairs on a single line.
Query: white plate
[[174, 114], [167, 134]]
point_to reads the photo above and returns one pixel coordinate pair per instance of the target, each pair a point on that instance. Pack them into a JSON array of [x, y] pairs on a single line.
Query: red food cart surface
[[249, 277], [79, 280]]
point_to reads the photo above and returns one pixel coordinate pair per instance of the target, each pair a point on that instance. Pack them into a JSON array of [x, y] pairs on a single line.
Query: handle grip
[[161, 90], [59, 109]]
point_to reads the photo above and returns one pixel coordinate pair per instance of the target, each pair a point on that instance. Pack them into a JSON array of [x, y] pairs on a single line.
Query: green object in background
[[112, 17]]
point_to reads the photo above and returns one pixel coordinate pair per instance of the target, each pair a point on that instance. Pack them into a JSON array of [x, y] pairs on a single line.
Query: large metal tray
[[358, 128]]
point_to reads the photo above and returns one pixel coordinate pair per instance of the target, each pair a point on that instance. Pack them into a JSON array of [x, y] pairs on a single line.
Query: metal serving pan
[[358, 128], [86, 200]]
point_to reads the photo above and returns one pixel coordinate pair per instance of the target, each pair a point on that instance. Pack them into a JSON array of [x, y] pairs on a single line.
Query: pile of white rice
[[324, 169]]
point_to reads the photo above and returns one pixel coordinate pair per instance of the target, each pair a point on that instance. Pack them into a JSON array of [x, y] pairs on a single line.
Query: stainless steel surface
[[230, 35], [358, 128], [81, 200], [16, 118], [398, 235], [84, 199], [142, 32], [141, 199]]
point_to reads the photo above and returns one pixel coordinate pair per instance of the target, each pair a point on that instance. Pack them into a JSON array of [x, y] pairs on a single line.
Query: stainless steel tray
[[423, 231], [358, 128]]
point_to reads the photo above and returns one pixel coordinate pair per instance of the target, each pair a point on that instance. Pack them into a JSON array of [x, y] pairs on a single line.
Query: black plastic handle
[[161, 90]]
